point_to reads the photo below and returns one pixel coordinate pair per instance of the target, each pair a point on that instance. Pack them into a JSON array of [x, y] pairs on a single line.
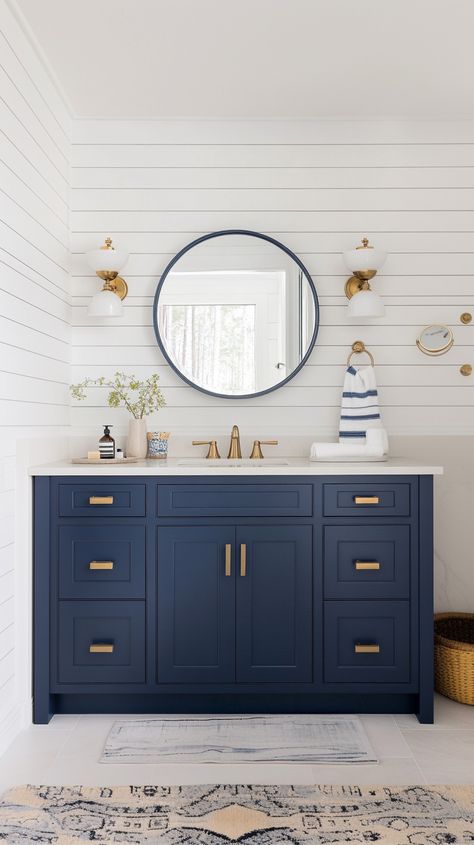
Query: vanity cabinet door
[[274, 604], [196, 604]]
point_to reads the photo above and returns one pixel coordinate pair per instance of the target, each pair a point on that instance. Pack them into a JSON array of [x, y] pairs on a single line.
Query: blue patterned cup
[[158, 444]]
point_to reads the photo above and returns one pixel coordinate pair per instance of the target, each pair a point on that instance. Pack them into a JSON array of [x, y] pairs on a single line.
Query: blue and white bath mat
[[239, 739]]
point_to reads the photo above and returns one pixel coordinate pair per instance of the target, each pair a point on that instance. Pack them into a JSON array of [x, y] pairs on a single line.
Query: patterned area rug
[[239, 739], [253, 815]]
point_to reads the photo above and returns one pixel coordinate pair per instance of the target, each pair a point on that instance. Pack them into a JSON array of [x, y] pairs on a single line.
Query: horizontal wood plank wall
[[34, 307], [318, 187]]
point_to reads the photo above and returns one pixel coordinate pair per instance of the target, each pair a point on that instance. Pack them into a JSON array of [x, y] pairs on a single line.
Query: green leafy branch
[[140, 398]]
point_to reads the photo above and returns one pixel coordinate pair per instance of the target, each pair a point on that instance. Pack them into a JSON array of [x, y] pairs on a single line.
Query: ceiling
[[259, 58]]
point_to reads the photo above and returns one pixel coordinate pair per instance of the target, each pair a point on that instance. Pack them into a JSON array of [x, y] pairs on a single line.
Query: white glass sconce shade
[[366, 303], [105, 303], [110, 260], [364, 258]]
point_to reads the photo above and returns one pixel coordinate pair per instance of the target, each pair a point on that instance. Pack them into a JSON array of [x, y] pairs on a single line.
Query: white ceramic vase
[[136, 441]]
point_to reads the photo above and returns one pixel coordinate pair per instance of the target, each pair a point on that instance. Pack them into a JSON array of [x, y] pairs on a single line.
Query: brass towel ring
[[357, 348]]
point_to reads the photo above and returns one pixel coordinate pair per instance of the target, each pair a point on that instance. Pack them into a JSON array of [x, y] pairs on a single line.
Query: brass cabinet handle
[[373, 648], [367, 564], [228, 560], [101, 500], [243, 560], [101, 648], [366, 500], [101, 564]]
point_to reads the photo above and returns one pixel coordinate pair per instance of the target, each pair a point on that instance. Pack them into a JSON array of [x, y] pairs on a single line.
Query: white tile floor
[[67, 751]]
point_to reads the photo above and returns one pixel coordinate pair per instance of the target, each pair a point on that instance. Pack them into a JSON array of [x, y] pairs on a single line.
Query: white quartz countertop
[[294, 466]]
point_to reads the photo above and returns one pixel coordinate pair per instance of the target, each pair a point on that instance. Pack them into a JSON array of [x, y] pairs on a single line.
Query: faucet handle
[[213, 451], [256, 452]]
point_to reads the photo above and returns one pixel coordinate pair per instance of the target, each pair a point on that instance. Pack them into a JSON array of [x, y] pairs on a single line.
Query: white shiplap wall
[[319, 187], [34, 319]]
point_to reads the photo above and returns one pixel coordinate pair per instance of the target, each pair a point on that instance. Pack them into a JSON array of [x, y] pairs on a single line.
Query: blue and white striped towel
[[360, 405]]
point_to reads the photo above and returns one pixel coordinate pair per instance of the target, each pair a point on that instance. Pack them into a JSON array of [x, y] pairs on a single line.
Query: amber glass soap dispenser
[[107, 444]]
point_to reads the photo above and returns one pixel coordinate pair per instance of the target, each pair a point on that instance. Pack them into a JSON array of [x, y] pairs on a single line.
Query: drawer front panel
[[99, 498], [106, 561], [366, 642], [101, 642], [367, 561], [366, 499], [235, 500]]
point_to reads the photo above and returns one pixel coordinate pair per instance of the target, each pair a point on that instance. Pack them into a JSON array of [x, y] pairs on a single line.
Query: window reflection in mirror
[[236, 315]]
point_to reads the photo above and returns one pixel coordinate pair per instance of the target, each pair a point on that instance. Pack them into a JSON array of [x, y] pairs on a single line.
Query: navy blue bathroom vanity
[[171, 592]]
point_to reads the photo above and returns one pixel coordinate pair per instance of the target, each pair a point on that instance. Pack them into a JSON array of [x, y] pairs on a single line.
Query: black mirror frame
[[208, 237]]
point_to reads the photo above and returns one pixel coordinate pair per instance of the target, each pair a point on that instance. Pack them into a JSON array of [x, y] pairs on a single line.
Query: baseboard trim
[[14, 721]]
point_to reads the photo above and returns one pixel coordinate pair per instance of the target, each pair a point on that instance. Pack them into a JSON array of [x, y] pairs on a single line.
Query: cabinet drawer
[[101, 498], [366, 499], [101, 642], [106, 561], [367, 561], [366, 642], [235, 500]]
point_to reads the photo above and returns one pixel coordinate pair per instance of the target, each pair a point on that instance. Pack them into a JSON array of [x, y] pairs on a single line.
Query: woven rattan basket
[[454, 656]]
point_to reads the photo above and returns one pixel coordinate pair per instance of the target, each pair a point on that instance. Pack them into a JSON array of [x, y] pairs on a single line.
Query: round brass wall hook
[[465, 318], [465, 370]]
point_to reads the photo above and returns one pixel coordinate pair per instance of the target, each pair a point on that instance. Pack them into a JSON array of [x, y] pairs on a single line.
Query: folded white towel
[[374, 447], [360, 410]]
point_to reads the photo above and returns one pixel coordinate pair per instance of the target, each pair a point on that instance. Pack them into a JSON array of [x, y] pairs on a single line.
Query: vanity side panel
[[43, 701], [426, 601]]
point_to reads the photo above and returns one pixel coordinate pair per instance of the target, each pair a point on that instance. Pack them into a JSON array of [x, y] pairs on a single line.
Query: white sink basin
[[232, 462]]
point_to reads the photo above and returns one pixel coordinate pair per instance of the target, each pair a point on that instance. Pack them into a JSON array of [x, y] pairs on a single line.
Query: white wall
[[318, 187], [34, 322]]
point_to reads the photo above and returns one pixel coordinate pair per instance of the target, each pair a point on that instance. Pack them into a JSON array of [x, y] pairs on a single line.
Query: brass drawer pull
[[243, 560], [228, 560], [101, 648], [367, 500], [367, 564], [101, 564], [374, 648], [101, 500]]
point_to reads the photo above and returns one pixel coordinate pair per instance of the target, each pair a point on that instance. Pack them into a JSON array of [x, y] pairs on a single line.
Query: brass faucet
[[212, 452], [234, 447], [256, 453]]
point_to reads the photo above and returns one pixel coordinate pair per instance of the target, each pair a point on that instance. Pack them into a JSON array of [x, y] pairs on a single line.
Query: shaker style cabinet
[[162, 593], [195, 605], [274, 604], [234, 604]]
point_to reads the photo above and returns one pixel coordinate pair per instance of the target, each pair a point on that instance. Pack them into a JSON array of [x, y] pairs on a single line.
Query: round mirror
[[435, 340], [236, 314]]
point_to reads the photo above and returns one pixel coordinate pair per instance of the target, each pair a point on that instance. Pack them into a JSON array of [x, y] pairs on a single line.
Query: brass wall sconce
[[106, 263], [364, 261]]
